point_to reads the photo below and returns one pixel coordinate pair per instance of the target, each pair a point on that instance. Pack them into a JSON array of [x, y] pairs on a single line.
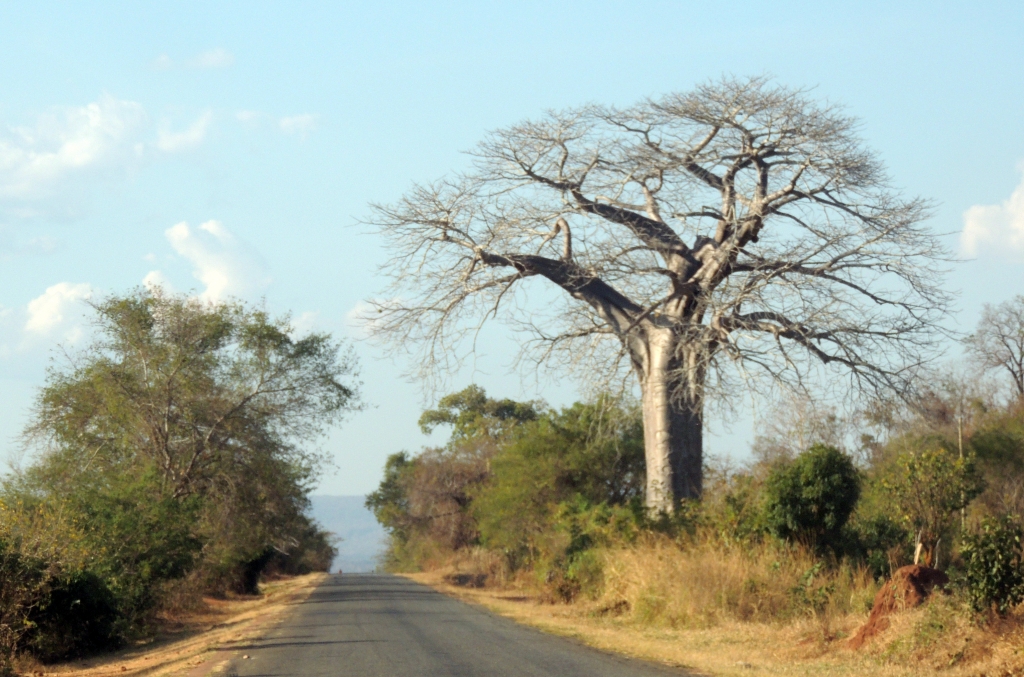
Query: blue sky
[[230, 148]]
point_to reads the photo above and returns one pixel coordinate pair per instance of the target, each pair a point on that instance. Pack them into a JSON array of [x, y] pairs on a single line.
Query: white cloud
[[300, 125], [50, 310], [214, 58], [305, 323], [157, 280], [995, 229], [224, 264], [360, 319], [173, 142], [68, 144]]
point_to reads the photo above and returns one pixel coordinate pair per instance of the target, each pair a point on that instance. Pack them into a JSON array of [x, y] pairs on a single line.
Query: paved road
[[386, 626]]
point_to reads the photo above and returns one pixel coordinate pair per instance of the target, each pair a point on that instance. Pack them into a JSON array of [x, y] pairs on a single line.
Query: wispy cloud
[[360, 319], [995, 229], [162, 63], [300, 125], [49, 166], [173, 142], [224, 264], [29, 332], [305, 323], [65, 144], [208, 60], [213, 58], [250, 117]]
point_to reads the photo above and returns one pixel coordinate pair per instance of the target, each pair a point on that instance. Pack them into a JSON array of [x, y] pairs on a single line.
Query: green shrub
[[810, 499], [22, 582], [993, 566], [878, 542], [78, 616]]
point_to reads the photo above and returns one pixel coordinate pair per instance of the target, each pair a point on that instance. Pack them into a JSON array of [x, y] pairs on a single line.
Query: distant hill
[[362, 537]]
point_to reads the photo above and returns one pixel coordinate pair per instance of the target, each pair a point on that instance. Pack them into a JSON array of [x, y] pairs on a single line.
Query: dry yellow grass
[[722, 610], [199, 643], [702, 584]]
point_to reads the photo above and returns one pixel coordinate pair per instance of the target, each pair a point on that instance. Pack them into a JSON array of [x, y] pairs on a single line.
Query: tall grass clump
[[703, 580]]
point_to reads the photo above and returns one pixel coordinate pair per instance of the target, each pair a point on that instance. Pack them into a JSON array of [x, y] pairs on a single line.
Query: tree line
[[544, 491], [169, 458]]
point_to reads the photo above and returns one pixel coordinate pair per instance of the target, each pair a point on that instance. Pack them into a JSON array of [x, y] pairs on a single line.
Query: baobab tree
[[728, 238]]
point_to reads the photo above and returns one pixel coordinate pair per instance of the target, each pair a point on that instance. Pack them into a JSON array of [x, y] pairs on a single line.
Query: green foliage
[[573, 566], [928, 487], [171, 447], [992, 575], [504, 478], [878, 541], [733, 507], [810, 499], [78, 615], [389, 503], [471, 413], [589, 452]]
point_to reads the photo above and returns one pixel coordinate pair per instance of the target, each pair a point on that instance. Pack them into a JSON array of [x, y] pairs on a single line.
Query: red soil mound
[[909, 587]]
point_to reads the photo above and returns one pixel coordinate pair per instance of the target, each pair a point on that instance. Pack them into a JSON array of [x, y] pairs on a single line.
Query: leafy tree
[[194, 390], [587, 452], [810, 499], [177, 439], [428, 496], [471, 414], [389, 503], [928, 488]]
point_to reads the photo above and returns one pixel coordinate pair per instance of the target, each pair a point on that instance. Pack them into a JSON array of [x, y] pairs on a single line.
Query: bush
[[78, 616], [22, 581], [810, 499], [993, 567], [880, 542]]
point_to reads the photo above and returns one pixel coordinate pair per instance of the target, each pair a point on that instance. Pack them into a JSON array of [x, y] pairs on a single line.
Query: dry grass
[[729, 610], [197, 642], [708, 582]]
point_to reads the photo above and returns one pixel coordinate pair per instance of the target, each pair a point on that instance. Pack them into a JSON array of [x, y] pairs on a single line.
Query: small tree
[[810, 499], [929, 487]]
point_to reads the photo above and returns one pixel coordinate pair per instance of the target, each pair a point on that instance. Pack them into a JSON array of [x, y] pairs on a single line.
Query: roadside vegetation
[[166, 460], [550, 503]]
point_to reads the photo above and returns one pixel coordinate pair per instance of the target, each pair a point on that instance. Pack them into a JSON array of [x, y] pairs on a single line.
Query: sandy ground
[[202, 643], [797, 649]]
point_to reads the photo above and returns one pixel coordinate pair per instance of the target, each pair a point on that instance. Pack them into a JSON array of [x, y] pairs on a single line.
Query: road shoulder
[[202, 645]]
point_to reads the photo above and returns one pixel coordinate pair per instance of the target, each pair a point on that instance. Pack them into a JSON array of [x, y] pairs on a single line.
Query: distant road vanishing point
[[369, 625]]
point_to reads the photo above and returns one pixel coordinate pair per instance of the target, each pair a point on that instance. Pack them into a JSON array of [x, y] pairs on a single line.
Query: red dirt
[[909, 587]]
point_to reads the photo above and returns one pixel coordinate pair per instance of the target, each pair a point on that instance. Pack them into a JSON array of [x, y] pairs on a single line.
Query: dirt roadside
[[201, 644]]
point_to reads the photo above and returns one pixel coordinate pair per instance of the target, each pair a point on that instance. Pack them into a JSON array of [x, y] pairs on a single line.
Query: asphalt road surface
[[364, 625]]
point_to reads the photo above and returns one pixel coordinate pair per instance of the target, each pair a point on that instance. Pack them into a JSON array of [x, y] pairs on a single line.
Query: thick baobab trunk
[[673, 427]]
